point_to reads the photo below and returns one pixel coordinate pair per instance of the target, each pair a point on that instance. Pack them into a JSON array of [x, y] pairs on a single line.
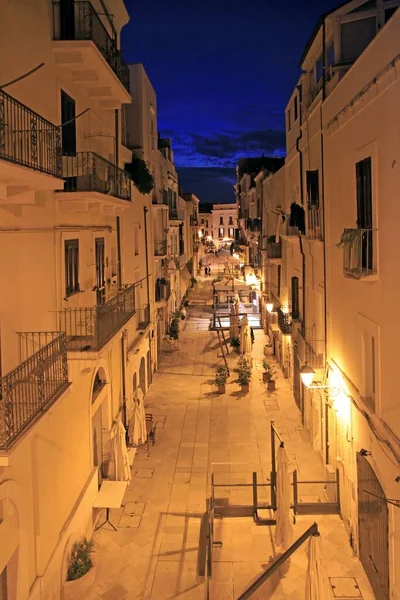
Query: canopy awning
[[185, 279], [228, 284]]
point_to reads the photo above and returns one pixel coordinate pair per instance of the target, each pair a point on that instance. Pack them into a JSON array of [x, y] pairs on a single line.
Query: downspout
[[123, 376], [299, 87], [116, 120], [119, 266], [145, 211], [323, 183]]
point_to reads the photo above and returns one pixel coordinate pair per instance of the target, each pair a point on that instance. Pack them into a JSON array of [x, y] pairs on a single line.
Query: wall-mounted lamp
[[269, 306], [307, 376], [365, 452]]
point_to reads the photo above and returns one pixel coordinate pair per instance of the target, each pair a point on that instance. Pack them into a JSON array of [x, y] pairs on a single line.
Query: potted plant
[[221, 375], [80, 571], [267, 368], [244, 374], [174, 328], [272, 378]]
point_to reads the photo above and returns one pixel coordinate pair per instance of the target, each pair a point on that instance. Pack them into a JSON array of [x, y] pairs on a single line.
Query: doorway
[[97, 441], [373, 527], [142, 375]]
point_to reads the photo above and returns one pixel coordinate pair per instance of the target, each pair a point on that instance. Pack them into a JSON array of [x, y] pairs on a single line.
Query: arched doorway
[[142, 375], [373, 528]]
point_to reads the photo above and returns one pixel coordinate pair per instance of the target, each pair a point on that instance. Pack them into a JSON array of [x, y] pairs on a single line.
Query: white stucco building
[[223, 223]]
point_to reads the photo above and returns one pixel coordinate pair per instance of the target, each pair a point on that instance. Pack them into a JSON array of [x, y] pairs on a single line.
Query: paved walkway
[[154, 553]]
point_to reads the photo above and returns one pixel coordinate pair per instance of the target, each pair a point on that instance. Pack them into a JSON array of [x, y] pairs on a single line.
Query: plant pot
[[79, 589], [265, 377], [271, 386], [245, 388], [221, 389], [268, 349]]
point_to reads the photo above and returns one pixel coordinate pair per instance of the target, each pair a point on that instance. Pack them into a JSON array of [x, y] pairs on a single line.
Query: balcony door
[[67, 19], [364, 211], [100, 272]]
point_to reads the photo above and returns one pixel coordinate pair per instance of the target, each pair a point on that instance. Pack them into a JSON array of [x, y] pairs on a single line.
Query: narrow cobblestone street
[[153, 555]]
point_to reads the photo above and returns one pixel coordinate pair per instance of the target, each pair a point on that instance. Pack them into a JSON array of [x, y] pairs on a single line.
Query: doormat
[[144, 473]]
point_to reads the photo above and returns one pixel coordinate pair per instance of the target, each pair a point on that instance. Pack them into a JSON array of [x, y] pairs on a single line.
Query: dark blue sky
[[223, 73]]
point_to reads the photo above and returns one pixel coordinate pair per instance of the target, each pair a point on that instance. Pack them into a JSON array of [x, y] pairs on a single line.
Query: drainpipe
[[116, 120], [119, 266], [302, 203], [323, 185], [123, 376], [145, 211]]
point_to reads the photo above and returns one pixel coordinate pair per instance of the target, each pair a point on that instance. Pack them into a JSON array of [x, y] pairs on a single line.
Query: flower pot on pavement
[[271, 386], [265, 377], [245, 388], [79, 589], [221, 389]]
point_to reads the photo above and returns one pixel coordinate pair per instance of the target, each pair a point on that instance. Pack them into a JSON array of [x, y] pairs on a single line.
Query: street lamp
[[269, 306], [307, 376]]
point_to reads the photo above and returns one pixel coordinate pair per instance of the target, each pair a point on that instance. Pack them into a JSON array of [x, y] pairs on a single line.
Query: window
[[364, 213], [296, 108], [389, 12], [221, 220], [68, 129], [136, 239], [71, 267], [312, 189], [355, 37], [221, 232], [295, 298], [288, 123], [231, 232], [279, 280], [230, 220]]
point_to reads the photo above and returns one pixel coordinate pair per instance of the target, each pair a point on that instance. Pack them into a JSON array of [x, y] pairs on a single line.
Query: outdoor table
[[110, 495]]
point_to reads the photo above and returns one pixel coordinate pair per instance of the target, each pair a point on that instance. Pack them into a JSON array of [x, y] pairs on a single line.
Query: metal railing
[[284, 319], [311, 350], [162, 198], [28, 139], [31, 386], [314, 224], [359, 253], [87, 25], [144, 317], [176, 214], [327, 76], [160, 247], [162, 289], [89, 172], [274, 250], [89, 328], [253, 224]]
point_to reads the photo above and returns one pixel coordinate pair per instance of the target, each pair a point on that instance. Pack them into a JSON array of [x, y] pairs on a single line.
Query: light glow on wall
[[341, 401]]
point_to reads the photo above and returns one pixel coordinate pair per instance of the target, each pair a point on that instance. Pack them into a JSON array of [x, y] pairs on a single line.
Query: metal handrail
[[90, 328], [28, 139], [30, 387], [88, 25], [274, 249], [90, 172], [359, 253]]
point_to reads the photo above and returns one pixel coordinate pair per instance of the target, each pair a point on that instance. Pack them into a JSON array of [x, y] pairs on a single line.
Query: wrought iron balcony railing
[[162, 289], [90, 328], [89, 172], [160, 247], [312, 351], [144, 317], [86, 24], [274, 250], [28, 139], [284, 319], [314, 224], [31, 386], [176, 214], [359, 252]]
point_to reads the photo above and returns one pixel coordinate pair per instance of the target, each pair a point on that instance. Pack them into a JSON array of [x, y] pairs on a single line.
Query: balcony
[[359, 259], [83, 44], [144, 317], [32, 386], [31, 148], [162, 289], [162, 199], [253, 225], [88, 329], [310, 350], [176, 214], [88, 172], [160, 248], [274, 250], [314, 224], [284, 319]]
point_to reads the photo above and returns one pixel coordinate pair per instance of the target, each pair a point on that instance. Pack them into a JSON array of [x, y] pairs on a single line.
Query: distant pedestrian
[[252, 335]]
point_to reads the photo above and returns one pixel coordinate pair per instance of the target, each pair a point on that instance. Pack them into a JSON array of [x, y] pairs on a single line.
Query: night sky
[[223, 75]]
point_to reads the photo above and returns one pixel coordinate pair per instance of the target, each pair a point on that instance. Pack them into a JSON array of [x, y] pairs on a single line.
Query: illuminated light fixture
[[307, 376], [365, 452], [269, 306]]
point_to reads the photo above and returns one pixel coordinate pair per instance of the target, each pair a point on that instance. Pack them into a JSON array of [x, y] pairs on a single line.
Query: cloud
[[224, 148], [210, 184]]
